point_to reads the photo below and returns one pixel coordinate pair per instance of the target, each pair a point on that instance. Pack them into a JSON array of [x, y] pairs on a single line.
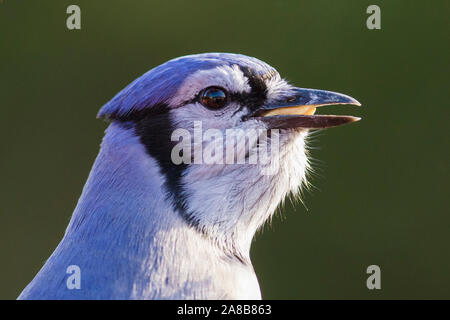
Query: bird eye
[[213, 98]]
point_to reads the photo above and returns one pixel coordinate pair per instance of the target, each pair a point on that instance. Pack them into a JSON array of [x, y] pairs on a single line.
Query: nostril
[[291, 99]]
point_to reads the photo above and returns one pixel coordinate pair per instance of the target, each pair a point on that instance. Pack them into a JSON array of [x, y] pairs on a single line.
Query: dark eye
[[213, 98]]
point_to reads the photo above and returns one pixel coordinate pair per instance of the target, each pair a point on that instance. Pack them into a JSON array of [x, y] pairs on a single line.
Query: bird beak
[[298, 111]]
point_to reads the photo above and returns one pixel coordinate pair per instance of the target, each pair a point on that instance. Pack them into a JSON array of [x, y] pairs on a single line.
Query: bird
[[148, 227]]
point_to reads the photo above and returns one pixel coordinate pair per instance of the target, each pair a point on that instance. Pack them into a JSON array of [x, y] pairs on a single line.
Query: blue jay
[[146, 227]]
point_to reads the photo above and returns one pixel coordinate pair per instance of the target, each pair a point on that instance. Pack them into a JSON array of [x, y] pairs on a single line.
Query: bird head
[[191, 111]]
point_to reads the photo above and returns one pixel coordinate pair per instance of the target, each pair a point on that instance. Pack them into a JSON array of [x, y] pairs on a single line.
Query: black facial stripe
[[255, 81], [258, 94], [154, 128]]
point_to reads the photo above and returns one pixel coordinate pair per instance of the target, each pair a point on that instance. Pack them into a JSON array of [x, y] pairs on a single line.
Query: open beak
[[298, 111]]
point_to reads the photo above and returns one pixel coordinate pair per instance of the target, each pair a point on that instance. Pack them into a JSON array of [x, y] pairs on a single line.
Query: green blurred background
[[382, 186]]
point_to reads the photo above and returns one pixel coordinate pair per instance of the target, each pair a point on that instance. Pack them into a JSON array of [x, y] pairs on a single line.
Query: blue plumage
[[162, 82]]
